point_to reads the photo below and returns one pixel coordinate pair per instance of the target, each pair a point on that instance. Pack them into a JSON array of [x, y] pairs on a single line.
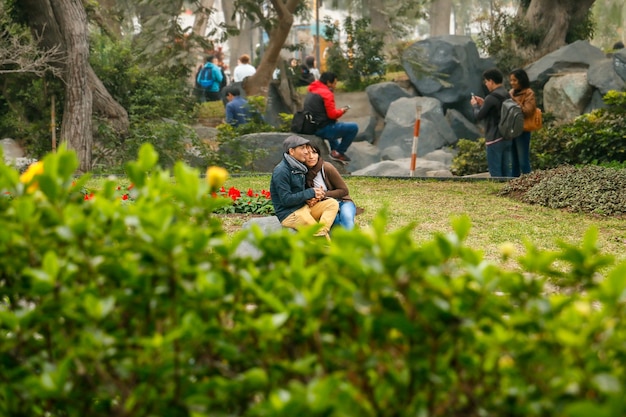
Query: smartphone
[[347, 107]]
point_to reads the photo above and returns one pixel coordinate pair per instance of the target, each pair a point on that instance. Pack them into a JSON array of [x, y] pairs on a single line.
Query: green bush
[[470, 158], [588, 189], [360, 62], [148, 309], [598, 137]]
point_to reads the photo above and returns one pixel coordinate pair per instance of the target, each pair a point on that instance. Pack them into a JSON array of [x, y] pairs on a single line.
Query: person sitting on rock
[[320, 102]]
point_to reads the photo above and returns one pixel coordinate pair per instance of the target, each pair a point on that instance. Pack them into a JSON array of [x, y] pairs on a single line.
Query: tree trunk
[[199, 29], [258, 84], [440, 11], [76, 127], [42, 20], [555, 18], [378, 17]]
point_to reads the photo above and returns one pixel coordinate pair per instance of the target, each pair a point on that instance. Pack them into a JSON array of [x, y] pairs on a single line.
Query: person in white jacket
[[243, 69]]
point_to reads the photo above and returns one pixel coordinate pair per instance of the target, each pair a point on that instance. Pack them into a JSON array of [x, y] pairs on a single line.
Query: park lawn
[[431, 204]]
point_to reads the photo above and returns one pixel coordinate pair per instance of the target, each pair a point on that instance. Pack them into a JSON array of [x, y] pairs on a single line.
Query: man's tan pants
[[323, 212]]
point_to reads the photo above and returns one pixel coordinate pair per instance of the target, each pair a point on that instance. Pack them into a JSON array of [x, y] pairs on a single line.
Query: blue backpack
[[205, 77]]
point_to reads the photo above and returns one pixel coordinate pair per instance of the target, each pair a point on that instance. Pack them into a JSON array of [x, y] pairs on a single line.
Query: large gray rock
[[597, 102], [447, 68], [269, 149], [362, 155], [11, 150], [361, 113], [381, 96], [574, 57], [435, 133], [462, 128], [619, 63], [567, 96], [401, 168], [602, 75]]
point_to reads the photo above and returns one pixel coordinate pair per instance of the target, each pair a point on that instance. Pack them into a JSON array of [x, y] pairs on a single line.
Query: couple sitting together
[[305, 190]]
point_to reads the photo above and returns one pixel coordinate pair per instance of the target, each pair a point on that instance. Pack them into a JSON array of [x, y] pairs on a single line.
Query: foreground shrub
[[588, 189], [149, 310]]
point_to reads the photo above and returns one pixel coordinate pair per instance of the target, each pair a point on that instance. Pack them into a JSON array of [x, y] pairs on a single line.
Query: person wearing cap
[[289, 193]]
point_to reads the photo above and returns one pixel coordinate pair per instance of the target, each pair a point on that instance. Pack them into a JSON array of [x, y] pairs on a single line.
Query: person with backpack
[[525, 97], [209, 79], [320, 103], [489, 110]]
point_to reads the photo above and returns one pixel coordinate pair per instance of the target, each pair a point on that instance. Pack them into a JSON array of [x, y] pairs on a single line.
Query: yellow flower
[[216, 177], [507, 250], [29, 175]]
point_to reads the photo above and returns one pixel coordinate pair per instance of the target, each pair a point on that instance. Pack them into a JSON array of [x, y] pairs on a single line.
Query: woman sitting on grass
[[325, 175]]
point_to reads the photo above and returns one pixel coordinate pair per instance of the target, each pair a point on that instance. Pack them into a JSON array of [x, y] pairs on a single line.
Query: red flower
[[125, 197], [88, 197], [234, 193], [250, 192]]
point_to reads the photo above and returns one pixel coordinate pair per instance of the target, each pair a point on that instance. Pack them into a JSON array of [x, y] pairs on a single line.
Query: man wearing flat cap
[[289, 193]]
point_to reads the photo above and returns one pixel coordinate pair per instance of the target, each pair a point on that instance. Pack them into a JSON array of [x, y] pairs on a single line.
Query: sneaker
[[339, 156]]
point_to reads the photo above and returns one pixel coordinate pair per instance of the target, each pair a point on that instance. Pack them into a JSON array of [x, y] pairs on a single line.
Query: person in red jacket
[[320, 102]]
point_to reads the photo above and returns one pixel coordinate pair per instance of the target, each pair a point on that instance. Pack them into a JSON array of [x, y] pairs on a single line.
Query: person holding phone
[[320, 102], [488, 109]]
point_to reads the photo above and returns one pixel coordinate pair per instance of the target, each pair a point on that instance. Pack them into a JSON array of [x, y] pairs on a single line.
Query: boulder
[[602, 75], [447, 68], [574, 57], [269, 150], [11, 150], [435, 133], [381, 96], [361, 113], [567, 96], [462, 128], [362, 155], [619, 63], [401, 168]]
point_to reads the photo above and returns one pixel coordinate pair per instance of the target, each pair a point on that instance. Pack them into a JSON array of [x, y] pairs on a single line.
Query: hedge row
[[146, 309]]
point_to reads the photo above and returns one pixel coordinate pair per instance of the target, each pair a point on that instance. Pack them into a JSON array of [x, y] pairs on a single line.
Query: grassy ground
[[430, 204]]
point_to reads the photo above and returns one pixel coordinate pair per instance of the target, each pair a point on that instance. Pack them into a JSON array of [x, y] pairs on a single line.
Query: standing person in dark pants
[[488, 109], [320, 102], [211, 93], [525, 97]]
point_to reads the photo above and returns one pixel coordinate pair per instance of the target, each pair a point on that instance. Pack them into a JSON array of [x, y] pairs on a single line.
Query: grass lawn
[[430, 204]]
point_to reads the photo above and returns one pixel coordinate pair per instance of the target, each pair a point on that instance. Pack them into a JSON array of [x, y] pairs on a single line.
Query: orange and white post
[[416, 135]]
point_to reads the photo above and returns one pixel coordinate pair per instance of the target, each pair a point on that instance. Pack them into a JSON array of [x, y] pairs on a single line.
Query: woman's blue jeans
[[521, 154], [499, 158], [345, 131], [345, 216]]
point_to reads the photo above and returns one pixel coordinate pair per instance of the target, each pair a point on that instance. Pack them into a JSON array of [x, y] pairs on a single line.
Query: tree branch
[[20, 54]]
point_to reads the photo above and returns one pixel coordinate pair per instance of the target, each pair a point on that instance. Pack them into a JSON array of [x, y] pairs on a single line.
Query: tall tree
[[555, 20], [63, 25], [440, 12], [276, 18]]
